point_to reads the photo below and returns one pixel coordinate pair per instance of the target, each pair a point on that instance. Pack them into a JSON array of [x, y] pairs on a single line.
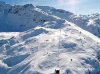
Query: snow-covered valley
[[39, 39]]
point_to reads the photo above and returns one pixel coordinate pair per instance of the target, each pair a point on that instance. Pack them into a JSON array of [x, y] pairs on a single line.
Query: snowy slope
[[90, 23], [35, 41], [21, 18], [82, 21], [32, 15], [78, 52]]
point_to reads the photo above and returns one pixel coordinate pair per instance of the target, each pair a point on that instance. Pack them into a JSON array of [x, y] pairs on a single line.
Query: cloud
[[73, 2], [61, 1], [69, 3]]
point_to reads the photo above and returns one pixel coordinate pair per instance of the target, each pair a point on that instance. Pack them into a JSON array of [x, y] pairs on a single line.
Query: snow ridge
[[36, 39]]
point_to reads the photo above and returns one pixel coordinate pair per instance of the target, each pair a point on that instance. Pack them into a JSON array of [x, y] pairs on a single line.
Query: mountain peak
[[43, 38], [29, 6]]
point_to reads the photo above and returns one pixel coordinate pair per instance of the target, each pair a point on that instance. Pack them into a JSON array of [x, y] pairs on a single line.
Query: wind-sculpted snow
[[14, 60], [34, 33], [31, 16], [44, 42], [21, 18], [38, 54], [80, 20]]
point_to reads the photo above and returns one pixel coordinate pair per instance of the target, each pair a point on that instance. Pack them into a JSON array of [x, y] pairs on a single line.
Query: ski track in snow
[[48, 41], [95, 38]]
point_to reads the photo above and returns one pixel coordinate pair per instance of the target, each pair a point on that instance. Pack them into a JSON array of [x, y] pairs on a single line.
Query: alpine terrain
[[40, 39]]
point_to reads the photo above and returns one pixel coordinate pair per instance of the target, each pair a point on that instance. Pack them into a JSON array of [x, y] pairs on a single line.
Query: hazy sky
[[75, 6]]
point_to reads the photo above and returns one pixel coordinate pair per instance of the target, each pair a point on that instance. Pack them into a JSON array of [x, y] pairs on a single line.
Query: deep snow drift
[[38, 39]]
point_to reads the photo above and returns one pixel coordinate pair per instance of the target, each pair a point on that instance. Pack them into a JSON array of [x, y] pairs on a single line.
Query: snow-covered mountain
[[90, 23], [32, 15], [39, 39], [21, 18]]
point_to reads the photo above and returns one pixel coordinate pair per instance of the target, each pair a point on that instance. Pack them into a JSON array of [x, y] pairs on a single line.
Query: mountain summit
[[31, 16], [41, 39]]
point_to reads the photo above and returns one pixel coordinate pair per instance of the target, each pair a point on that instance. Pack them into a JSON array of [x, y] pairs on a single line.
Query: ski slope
[[95, 38], [39, 45]]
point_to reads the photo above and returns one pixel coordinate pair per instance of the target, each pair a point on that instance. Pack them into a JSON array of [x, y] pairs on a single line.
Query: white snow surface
[[40, 41], [7, 35]]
